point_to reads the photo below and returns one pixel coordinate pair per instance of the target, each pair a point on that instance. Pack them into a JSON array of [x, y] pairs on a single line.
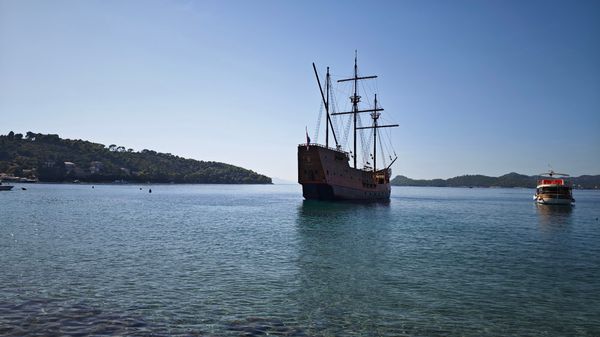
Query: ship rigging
[[324, 178]]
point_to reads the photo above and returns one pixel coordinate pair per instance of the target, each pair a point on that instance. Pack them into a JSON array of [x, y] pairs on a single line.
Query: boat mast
[[355, 99], [375, 115], [375, 126], [327, 109], [326, 102]]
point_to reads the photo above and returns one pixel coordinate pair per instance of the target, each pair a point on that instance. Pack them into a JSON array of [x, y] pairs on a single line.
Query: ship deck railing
[[325, 147]]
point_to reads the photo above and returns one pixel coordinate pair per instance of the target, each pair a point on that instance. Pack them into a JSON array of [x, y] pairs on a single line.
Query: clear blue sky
[[482, 87]]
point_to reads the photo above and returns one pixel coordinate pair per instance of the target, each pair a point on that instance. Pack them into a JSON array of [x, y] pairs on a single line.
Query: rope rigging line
[[367, 156], [344, 121], [384, 140], [386, 152], [347, 130], [382, 156], [391, 148], [365, 94], [342, 124], [333, 109], [363, 144], [318, 126], [367, 149], [389, 139]]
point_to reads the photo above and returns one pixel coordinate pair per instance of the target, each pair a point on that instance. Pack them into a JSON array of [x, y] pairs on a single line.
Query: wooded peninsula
[[49, 158], [508, 180]]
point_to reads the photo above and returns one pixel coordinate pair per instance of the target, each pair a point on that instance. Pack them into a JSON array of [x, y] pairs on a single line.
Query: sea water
[[223, 260]]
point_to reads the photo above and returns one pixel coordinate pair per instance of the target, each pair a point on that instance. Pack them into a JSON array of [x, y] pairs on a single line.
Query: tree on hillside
[[46, 154]]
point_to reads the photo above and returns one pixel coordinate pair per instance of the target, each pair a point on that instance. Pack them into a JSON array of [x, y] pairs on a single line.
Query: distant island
[[508, 180], [49, 158]]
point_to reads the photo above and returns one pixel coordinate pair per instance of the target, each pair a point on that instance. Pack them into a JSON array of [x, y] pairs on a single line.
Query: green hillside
[[52, 159], [508, 180]]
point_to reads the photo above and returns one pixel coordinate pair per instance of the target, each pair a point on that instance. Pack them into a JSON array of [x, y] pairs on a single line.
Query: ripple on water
[[257, 261], [46, 317]]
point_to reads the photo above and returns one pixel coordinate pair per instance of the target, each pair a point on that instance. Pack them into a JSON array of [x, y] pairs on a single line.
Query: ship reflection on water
[[554, 217], [341, 253]]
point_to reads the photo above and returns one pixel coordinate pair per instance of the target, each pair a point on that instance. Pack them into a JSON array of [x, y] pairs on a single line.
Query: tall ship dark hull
[[325, 174]]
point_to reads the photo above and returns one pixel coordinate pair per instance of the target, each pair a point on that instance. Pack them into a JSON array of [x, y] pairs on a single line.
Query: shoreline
[[256, 184]]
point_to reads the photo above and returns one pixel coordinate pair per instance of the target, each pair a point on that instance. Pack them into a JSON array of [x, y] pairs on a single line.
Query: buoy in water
[[150, 190]]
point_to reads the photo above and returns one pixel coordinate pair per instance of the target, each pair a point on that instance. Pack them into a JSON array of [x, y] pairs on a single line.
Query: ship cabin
[[557, 187]]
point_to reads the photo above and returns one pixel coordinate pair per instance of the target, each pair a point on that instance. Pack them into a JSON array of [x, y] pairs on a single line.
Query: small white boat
[[5, 187], [553, 191]]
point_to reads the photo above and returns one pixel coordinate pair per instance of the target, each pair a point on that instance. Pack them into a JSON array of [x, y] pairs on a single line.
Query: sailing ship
[[553, 191], [325, 172]]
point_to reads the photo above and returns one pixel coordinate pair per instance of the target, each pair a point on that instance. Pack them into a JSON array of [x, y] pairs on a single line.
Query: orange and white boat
[[552, 190]]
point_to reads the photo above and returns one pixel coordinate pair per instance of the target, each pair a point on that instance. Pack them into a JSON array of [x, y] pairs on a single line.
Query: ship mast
[[327, 109], [326, 102], [355, 99], [375, 115]]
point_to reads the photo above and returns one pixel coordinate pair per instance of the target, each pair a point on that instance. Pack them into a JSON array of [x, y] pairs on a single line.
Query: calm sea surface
[[213, 260]]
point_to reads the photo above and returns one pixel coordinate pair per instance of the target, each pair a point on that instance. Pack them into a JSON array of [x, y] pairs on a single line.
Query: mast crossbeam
[[357, 111], [378, 126], [357, 78]]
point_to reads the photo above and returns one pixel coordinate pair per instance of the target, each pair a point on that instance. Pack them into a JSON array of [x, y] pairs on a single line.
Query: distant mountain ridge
[[49, 158], [508, 180]]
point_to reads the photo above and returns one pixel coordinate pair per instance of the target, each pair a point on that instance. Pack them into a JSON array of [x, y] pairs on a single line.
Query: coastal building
[[96, 167], [69, 166], [73, 170]]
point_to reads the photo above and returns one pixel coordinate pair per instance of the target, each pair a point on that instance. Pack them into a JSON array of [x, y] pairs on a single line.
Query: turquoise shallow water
[[214, 260]]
